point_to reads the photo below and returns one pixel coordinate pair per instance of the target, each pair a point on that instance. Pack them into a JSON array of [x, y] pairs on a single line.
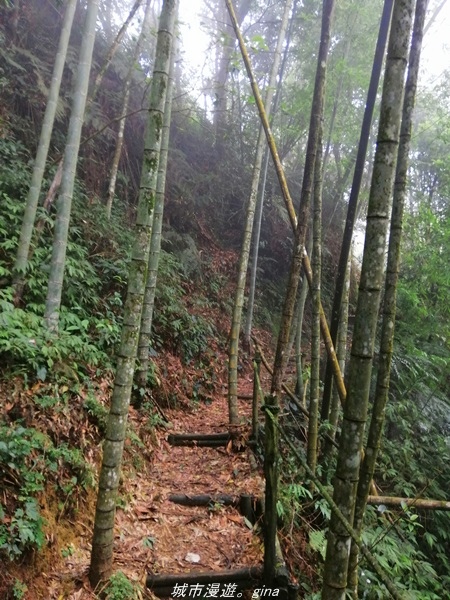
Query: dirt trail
[[155, 535]]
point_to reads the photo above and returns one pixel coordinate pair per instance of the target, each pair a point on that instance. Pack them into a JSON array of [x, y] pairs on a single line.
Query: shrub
[[28, 459], [119, 587]]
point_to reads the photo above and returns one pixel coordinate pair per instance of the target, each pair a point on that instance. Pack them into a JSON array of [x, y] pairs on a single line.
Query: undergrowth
[[57, 411], [412, 546], [30, 461]]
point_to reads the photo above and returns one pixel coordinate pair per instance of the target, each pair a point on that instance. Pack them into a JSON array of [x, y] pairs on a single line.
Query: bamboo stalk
[[337, 512], [419, 503], [287, 198]]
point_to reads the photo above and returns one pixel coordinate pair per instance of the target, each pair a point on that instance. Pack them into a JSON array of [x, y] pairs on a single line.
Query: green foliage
[[149, 541], [27, 346], [19, 459], [68, 551], [424, 288], [154, 418], [317, 541], [418, 469], [185, 333], [23, 531], [414, 459], [19, 590], [399, 555], [417, 557], [96, 411], [96, 271], [28, 459], [96, 274], [134, 439], [119, 587], [20, 450]]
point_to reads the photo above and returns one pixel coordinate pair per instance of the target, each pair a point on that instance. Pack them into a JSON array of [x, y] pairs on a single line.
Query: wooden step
[[212, 440], [165, 586]]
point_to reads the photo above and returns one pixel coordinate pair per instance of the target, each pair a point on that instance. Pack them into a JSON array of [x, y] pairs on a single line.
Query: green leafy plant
[[23, 531], [19, 590], [27, 459], [68, 551], [27, 346], [317, 541], [187, 334], [97, 412], [96, 272], [149, 541], [119, 587], [398, 554]]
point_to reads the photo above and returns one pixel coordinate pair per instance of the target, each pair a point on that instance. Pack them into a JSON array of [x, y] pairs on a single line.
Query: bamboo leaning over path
[[273, 400], [316, 114], [287, 199], [248, 230]]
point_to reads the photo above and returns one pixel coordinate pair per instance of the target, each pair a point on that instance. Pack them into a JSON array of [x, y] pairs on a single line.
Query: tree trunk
[[341, 348], [360, 366], [246, 242], [288, 203], [337, 513], [260, 203], [313, 423], [113, 49], [390, 293], [155, 243], [220, 84], [300, 233], [354, 194], [300, 388], [103, 536], [299, 385], [336, 99], [64, 203], [255, 253], [32, 201]]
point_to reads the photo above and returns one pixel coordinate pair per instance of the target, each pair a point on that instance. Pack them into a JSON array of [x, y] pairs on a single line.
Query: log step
[[163, 585], [204, 499], [249, 506], [212, 440]]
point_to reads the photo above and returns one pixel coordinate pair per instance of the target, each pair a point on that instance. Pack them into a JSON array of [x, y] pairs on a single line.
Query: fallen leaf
[[235, 519]]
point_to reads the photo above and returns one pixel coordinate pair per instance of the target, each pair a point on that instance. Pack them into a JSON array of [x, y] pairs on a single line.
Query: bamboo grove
[[306, 125]]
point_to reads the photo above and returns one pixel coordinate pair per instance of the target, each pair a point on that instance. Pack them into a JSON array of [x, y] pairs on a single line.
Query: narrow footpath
[[155, 536]]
